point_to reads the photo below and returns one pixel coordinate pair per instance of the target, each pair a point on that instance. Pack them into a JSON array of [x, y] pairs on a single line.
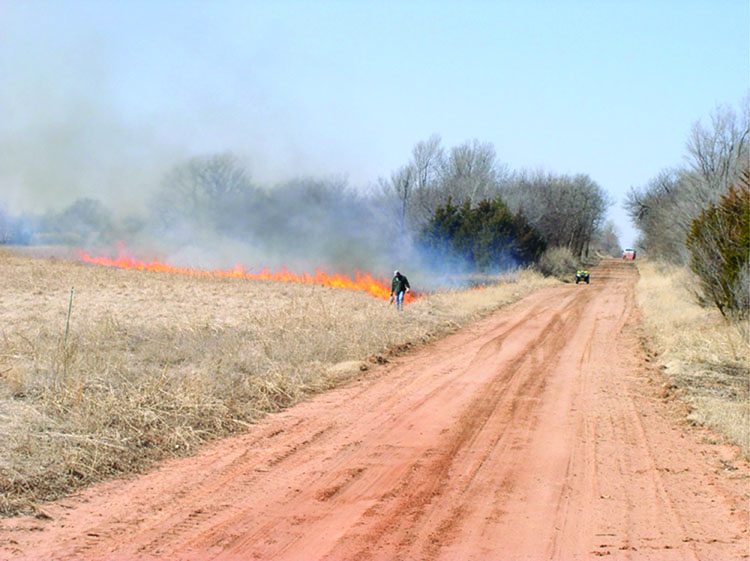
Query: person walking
[[399, 287]]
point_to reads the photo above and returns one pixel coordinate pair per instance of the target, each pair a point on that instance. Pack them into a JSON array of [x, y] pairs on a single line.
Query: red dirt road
[[532, 434]]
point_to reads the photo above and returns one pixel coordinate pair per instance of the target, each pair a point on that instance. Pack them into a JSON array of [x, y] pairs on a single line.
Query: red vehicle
[[628, 254]]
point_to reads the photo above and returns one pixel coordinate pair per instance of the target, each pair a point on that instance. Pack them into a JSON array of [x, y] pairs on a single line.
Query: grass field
[[156, 364], [705, 358]]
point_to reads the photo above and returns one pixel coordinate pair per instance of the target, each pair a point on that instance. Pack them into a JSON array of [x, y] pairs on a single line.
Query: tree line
[[698, 214], [450, 196], [459, 206]]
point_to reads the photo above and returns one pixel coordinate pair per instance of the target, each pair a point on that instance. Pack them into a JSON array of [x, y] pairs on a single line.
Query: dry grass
[[706, 359], [155, 364]]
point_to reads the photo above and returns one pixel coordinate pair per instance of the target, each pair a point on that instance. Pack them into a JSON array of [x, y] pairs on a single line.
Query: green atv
[[582, 275]]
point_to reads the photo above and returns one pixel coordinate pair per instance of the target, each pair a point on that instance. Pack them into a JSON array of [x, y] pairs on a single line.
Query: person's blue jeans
[[399, 300]]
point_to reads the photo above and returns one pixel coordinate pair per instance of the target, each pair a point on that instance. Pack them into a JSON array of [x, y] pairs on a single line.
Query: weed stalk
[[67, 320]]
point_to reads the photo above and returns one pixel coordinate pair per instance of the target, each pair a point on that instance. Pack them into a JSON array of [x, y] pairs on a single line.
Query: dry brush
[[705, 357], [154, 365]]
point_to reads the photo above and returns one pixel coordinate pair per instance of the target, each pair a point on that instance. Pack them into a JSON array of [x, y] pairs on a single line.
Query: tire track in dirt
[[424, 477], [529, 435], [468, 430]]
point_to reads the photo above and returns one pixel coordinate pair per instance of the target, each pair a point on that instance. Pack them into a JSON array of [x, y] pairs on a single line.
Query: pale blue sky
[[97, 98]]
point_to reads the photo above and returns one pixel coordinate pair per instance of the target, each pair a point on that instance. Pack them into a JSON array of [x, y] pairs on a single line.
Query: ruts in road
[[531, 434]]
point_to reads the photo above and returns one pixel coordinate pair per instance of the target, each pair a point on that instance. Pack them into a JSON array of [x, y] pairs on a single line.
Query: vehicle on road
[[629, 253], [582, 275]]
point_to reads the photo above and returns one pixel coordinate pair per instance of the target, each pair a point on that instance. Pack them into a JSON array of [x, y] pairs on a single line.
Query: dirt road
[[532, 434]]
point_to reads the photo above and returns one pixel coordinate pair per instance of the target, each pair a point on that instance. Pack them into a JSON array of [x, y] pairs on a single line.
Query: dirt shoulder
[[532, 434]]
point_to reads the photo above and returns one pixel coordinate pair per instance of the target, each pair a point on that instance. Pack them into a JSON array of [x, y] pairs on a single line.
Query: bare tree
[[717, 155], [608, 239], [414, 184], [666, 207], [592, 203], [471, 172], [567, 210], [201, 191], [428, 163], [655, 210], [401, 186], [83, 222]]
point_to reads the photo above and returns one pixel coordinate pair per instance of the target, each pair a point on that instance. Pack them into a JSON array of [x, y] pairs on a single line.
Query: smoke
[[206, 212], [105, 141], [98, 144], [81, 167], [62, 134], [100, 101]]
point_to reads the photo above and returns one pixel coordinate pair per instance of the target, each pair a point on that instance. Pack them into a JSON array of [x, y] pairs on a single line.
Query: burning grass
[[378, 287], [156, 364], [706, 359]]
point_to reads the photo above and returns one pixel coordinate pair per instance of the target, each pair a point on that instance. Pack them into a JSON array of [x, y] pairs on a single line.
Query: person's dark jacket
[[400, 284]]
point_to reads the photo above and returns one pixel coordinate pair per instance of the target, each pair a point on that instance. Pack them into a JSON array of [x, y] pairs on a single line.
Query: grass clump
[[558, 262], [706, 357], [154, 364]]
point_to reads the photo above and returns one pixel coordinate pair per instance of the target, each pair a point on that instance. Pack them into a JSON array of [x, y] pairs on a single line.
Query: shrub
[[719, 245], [558, 262], [486, 237]]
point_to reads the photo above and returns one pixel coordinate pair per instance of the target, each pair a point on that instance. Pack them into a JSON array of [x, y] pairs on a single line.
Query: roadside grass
[[154, 364], [706, 359]]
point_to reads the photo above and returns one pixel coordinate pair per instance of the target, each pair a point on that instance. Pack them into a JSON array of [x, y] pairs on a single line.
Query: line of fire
[[366, 282]]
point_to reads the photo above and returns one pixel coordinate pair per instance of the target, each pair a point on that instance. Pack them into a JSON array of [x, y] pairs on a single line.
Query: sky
[[99, 98]]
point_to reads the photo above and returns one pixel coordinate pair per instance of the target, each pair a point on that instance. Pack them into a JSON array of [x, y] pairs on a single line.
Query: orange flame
[[377, 287]]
